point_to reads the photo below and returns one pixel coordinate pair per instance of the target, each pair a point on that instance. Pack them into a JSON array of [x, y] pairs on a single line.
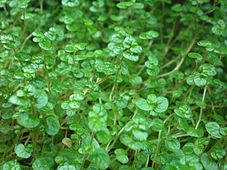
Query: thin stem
[[181, 61], [201, 109], [147, 162], [115, 81], [108, 148], [181, 135], [157, 148], [5, 9], [170, 62], [26, 39], [168, 45], [41, 6], [26, 142], [48, 80]]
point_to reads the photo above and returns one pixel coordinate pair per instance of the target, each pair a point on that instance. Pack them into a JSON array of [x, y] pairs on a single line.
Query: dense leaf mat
[[109, 84]]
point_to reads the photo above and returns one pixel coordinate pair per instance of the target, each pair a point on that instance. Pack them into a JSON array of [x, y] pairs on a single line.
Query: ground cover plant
[[108, 84]]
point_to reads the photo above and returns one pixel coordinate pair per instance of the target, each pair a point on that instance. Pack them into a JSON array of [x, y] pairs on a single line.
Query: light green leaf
[[19, 3], [70, 3], [208, 163], [129, 41], [121, 155], [207, 69], [27, 120], [52, 125], [43, 163], [130, 56], [19, 100], [11, 165], [74, 105], [140, 135], [41, 99], [148, 35], [100, 158], [213, 129], [22, 151], [142, 104], [183, 111], [124, 5], [172, 145], [45, 44], [195, 132], [195, 56], [162, 105], [136, 49], [97, 118], [66, 167], [157, 124], [106, 67], [199, 81]]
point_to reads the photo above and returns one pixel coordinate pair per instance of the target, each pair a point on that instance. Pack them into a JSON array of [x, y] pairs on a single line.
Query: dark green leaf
[[52, 125]]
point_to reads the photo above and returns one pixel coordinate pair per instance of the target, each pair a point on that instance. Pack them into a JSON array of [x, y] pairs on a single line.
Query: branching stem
[[201, 109]]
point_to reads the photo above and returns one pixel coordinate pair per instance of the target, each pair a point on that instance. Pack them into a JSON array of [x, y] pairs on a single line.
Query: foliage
[[101, 84]]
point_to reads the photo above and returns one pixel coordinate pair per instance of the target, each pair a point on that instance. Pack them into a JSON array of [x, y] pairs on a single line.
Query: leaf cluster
[[101, 84]]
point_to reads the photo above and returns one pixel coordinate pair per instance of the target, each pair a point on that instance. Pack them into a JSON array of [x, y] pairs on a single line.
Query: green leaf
[[207, 69], [52, 125], [218, 153], [19, 3], [199, 81], [129, 41], [195, 132], [73, 105], [119, 84], [208, 163], [22, 151], [105, 67], [43, 163], [11, 165], [66, 167], [213, 129], [121, 155], [204, 43], [142, 104], [219, 27], [135, 80], [138, 5], [70, 3], [148, 35], [97, 118], [172, 144], [43, 41], [41, 99], [136, 49], [157, 124], [140, 135], [183, 111], [104, 136], [162, 105], [77, 97], [45, 44], [101, 159], [19, 100], [4, 148], [124, 5], [130, 56], [195, 56], [27, 120]]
